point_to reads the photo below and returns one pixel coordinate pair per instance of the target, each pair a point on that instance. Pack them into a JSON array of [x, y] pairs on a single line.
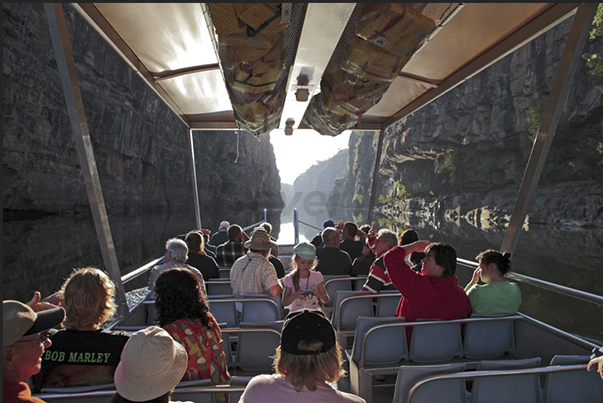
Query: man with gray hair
[[378, 279], [176, 253], [331, 259]]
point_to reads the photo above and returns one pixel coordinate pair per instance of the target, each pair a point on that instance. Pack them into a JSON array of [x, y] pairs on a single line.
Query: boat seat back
[[450, 390], [507, 388], [490, 339], [573, 386], [334, 283], [180, 394], [436, 342], [387, 303], [346, 310], [382, 346]]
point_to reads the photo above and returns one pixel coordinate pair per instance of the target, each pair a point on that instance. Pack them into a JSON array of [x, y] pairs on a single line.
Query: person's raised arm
[[38, 304]]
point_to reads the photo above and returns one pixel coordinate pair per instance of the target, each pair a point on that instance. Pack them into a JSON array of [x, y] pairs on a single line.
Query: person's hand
[[319, 294], [596, 363], [372, 233], [299, 294], [38, 305], [475, 277], [205, 231]]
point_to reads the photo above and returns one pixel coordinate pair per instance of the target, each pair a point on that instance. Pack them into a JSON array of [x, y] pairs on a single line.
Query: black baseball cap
[[307, 325]]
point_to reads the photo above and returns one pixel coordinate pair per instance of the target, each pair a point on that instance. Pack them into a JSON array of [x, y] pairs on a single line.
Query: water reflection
[[40, 254]]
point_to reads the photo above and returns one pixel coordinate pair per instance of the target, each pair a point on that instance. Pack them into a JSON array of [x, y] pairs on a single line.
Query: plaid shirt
[[252, 274], [229, 252]]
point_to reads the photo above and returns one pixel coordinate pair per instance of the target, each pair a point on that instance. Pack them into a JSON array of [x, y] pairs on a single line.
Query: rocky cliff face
[[460, 150], [140, 145]]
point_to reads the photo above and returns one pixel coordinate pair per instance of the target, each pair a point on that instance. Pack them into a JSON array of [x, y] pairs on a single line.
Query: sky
[[298, 152]]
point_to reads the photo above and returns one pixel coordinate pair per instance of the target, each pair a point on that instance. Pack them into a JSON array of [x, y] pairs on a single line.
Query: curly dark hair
[[179, 297]]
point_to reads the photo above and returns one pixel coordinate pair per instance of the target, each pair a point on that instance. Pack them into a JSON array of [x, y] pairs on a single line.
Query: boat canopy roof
[[324, 66]]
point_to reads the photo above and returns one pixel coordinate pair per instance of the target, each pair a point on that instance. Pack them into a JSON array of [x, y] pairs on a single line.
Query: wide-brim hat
[[20, 320], [152, 363], [260, 240], [307, 325]]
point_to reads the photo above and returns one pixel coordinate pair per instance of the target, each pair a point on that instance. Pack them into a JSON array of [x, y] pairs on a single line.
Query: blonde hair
[[88, 298], [307, 370]]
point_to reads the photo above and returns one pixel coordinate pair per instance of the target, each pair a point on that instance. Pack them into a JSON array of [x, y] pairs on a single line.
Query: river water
[[39, 254]]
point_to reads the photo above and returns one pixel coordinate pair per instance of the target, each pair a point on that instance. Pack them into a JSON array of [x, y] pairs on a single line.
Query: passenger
[[176, 254], [349, 243], [303, 286], [198, 258], [83, 353], [221, 236], [317, 240], [498, 296], [378, 279], [278, 266], [332, 260], [151, 366], [183, 312], [24, 338], [409, 236], [362, 265], [306, 363], [253, 273], [210, 250], [234, 248], [596, 361], [268, 228], [432, 294]]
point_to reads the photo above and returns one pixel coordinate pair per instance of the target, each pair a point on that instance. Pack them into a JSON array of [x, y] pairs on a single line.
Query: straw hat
[[152, 364]]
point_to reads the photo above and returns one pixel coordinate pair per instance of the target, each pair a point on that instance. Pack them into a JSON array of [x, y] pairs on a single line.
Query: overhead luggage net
[[256, 46], [379, 39]]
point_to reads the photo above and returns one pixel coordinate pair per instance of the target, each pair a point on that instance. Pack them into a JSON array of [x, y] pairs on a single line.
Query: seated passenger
[[183, 312], [498, 296], [306, 363], [221, 236], [198, 258], [151, 366], [407, 237], [317, 240], [176, 254], [349, 243], [83, 353], [332, 260], [378, 279], [24, 338], [303, 286], [253, 273], [268, 228], [228, 252], [432, 294], [362, 265]]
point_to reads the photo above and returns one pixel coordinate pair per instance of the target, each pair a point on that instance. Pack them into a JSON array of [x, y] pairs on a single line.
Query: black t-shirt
[[80, 358], [205, 264]]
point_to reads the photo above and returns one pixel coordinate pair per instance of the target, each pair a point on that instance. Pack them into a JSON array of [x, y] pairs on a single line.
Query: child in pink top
[[303, 286]]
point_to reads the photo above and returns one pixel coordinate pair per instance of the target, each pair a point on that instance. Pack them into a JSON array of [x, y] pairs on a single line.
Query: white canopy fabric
[[173, 46]]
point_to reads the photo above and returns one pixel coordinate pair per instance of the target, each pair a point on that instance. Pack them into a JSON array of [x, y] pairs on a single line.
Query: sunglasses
[[43, 338]]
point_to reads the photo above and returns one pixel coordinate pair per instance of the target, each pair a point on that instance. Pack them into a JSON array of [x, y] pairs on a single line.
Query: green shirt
[[496, 298]]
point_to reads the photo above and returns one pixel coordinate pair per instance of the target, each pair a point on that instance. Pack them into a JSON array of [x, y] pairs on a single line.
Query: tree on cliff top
[[595, 61]]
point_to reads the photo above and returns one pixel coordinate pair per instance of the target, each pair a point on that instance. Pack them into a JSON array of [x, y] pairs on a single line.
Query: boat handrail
[[259, 222], [483, 374], [547, 285], [296, 222], [140, 271]]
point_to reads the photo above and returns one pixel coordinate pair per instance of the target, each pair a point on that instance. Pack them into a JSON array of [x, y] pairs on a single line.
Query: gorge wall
[[140, 145], [464, 154]]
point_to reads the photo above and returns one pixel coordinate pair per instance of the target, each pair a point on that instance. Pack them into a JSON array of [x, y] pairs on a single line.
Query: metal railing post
[[296, 226], [369, 219], [194, 180], [572, 53], [59, 35]]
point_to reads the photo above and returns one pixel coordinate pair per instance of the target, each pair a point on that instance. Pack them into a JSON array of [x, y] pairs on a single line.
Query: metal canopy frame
[[83, 144]]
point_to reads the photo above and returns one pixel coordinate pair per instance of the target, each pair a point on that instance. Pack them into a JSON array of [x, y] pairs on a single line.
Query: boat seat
[[387, 303], [450, 390], [255, 348], [224, 311], [346, 310], [437, 342], [507, 388], [334, 283], [374, 353], [578, 386], [488, 339], [218, 287], [181, 394]]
